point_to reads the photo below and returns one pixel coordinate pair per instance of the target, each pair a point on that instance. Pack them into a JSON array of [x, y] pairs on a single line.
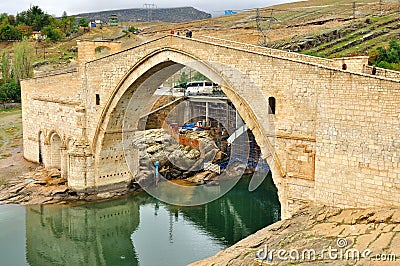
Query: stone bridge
[[331, 136]]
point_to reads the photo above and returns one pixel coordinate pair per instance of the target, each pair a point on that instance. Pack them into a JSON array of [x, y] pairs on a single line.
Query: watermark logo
[[142, 157], [342, 251]]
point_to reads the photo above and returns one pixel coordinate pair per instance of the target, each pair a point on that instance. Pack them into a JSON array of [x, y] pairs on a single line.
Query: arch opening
[[55, 151], [139, 86], [271, 105]]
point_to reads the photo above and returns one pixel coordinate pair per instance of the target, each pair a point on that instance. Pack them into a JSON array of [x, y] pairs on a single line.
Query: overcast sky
[[72, 7]]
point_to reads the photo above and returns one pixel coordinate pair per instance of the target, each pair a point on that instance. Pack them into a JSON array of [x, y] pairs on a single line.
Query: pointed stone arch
[[141, 82]]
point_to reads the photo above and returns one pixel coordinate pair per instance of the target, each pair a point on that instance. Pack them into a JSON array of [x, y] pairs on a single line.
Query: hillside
[[323, 28], [178, 14]]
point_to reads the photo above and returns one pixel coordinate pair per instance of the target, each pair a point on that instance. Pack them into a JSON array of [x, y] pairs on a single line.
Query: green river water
[[133, 230]]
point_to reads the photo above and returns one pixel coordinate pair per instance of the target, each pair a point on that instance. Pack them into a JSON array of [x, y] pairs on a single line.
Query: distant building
[[37, 35], [230, 12], [95, 23], [113, 20]]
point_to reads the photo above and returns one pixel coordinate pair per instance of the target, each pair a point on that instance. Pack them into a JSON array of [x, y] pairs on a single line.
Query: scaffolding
[[223, 116]]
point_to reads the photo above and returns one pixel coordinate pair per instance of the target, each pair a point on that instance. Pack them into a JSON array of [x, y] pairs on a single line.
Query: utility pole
[[380, 8], [262, 38], [354, 10], [150, 8], [398, 7]]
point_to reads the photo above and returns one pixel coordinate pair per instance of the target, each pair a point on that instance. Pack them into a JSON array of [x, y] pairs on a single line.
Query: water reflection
[[140, 230], [93, 234]]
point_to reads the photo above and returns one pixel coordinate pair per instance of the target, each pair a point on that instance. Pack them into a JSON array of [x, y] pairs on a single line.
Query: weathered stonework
[[333, 139]]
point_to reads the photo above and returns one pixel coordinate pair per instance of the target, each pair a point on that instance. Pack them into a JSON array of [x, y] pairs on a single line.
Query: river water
[[134, 230]]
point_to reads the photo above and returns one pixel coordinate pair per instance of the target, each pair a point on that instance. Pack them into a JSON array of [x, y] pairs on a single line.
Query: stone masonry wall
[[49, 106]]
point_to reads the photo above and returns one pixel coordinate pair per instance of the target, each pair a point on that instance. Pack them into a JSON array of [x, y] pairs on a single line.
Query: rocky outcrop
[[44, 186], [176, 161], [318, 228]]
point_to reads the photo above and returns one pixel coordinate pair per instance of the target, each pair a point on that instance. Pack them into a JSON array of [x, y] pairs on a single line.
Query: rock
[[17, 188], [57, 181], [154, 149], [59, 190], [193, 154], [219, 156], [199, 177], [105, 195], [38, 200], [175, 173], [211, 176]]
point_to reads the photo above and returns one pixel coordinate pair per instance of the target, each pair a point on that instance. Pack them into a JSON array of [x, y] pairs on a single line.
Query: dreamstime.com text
[[341, 252]]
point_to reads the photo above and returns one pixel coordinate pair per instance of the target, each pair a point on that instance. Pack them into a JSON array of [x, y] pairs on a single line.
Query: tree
[[4, 19], [34, 17], [83, 22], [198, 76], [53, 33], [11, 19], [388, 57], [184, 78], [10, 91], [5, 67], [9, 32], [23, 59], [24, 30]]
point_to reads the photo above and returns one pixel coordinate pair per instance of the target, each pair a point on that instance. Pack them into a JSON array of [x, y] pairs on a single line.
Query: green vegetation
[[23, 60], [198, 76], [388, 57], [35, 19], [12, 74], [184, 78], [83, 22], [133, 29], [3, 181]]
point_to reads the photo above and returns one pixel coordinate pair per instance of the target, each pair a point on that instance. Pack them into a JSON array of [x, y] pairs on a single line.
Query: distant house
[[95, 23], [230, 12], [37, 35], [113, 20]]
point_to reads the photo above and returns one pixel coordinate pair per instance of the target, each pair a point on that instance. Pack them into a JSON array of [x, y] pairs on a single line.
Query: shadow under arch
[[149, 73]]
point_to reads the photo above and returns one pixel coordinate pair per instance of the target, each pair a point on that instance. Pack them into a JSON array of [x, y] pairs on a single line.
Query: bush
[[384, 64], [388, 58], [53, 33], [133, 29], [10, 92]]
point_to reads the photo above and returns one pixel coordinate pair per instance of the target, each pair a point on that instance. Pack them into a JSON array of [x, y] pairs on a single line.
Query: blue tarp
[[230, 12], [189, 126]]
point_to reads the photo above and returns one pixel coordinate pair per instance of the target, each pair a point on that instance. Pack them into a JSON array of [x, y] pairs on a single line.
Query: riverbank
[[12, 162], [46, 186], [335, 235]]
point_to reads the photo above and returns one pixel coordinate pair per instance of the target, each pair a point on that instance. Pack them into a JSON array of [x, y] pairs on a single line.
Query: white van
[[200, 87]]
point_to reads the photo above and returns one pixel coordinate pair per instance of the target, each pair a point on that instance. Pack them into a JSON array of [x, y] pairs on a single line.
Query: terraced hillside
[[332, 28], [326, 28]]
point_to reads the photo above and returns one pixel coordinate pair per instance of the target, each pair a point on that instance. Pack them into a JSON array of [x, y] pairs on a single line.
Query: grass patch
[[3, 181]]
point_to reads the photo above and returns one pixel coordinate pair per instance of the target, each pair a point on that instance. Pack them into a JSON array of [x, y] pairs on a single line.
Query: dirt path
[[12, 163]]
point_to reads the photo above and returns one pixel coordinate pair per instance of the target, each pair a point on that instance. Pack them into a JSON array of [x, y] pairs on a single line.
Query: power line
[[150, 8]]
